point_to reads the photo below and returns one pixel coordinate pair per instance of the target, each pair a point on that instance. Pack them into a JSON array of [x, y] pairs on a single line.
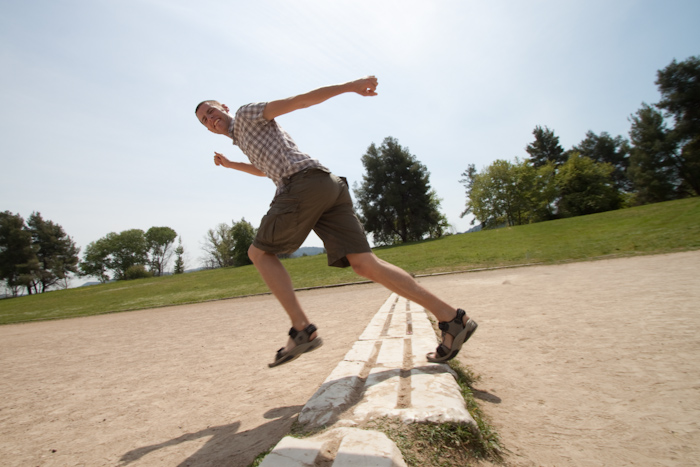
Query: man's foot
[[454, 334], [300, 342]]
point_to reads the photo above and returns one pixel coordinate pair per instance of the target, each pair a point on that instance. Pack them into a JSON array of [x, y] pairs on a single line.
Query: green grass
[[260, 457], [659, 228], [445, 444]]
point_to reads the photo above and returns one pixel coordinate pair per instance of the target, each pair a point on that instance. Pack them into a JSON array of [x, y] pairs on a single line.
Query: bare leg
[[399, 281], [278, 280]]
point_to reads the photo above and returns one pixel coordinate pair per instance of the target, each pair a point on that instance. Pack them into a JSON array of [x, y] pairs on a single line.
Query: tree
[[228, 246], [159, 240], [17, 257], [37, 255], [243, 235], [545, 194], [56, 252], [586, 187], [679, 85], [126, 249], [654, 168], [395, 199], [115, 252], [95, 260], [604, 148], [179, 260], [218, 246], [508, 194], [545, 148]]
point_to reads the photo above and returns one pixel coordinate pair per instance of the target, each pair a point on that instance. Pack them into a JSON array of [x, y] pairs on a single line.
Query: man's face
[[215, 118]]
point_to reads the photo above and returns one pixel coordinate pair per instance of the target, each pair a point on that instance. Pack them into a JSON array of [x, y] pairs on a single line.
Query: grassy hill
[[658, 228]]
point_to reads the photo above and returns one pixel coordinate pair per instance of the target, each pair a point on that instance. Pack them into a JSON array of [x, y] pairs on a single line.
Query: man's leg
[[278, 280], [292, 215], [399, 281]]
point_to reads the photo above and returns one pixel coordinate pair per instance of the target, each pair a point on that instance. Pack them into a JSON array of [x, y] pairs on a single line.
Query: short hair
[[208, 102]]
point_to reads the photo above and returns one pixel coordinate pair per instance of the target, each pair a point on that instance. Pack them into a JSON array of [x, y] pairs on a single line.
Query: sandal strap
[[455, 326], [442, 350], [302, 337]]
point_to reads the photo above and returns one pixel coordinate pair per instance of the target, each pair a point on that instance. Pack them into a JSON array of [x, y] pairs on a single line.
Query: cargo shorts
[[313, 199]]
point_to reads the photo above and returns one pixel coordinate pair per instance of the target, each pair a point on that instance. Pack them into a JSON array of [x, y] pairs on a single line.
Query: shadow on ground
[[226, 447], [486, 396]]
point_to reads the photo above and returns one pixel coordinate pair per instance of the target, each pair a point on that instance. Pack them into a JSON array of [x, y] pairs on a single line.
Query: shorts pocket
[[279, 226]]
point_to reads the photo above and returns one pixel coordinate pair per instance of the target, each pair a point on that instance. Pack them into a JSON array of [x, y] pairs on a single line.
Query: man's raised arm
[[364, 86]]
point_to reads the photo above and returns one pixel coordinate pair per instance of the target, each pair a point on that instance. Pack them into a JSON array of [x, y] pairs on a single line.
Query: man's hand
[[366, 86], [220, 159]]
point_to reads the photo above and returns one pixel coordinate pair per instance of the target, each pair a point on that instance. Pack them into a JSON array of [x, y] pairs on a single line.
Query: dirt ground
[[581, 364]]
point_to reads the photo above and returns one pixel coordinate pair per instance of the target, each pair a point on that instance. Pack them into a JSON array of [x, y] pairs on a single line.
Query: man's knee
[[255, 253], [364, 264]]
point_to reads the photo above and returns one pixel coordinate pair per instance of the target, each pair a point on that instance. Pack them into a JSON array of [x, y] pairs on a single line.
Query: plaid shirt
[[268, 146]]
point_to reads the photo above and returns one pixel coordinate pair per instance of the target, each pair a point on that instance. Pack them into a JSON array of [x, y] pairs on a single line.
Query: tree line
[[132, 254], [38, 254], [660, 162]]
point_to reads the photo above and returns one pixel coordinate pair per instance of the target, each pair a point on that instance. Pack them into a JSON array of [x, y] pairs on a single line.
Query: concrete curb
[[385, 374]]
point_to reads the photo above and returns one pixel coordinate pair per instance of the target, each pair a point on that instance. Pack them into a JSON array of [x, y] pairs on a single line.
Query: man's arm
[[220, 159], [364, 86]]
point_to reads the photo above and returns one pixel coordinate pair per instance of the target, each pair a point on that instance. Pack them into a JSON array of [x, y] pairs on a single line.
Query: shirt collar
[[230, 127]]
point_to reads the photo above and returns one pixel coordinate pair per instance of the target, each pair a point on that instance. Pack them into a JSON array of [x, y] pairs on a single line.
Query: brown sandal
[[459, 331], [303, 345]]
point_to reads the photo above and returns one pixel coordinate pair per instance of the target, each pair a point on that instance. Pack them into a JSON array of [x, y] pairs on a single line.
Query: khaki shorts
[[317, 200]]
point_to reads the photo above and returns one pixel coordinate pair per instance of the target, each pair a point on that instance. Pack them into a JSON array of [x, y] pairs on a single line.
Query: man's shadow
[[227, 447]]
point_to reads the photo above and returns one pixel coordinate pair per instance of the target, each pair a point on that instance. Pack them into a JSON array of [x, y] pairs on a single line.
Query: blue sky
[[98, 133]]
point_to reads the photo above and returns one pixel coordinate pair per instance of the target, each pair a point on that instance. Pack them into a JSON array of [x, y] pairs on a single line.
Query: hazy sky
[[98, 132]]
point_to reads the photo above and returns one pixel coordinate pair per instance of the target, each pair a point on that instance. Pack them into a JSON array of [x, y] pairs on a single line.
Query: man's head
[[215, 116]]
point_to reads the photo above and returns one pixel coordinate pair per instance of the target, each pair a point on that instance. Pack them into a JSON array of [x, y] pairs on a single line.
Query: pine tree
[[396, 201], [179, 261], [545, 148]]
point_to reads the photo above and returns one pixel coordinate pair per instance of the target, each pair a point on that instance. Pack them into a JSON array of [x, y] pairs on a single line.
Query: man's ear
[[224, 107]]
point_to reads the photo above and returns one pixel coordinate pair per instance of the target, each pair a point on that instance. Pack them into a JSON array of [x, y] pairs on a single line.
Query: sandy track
[[582, 364], [172, 386]]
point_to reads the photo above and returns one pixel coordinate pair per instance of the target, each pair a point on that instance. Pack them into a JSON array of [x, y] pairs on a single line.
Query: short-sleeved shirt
[[268, 146]]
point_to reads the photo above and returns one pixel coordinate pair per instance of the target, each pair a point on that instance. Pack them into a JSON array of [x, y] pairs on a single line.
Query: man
[[309, 197]]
